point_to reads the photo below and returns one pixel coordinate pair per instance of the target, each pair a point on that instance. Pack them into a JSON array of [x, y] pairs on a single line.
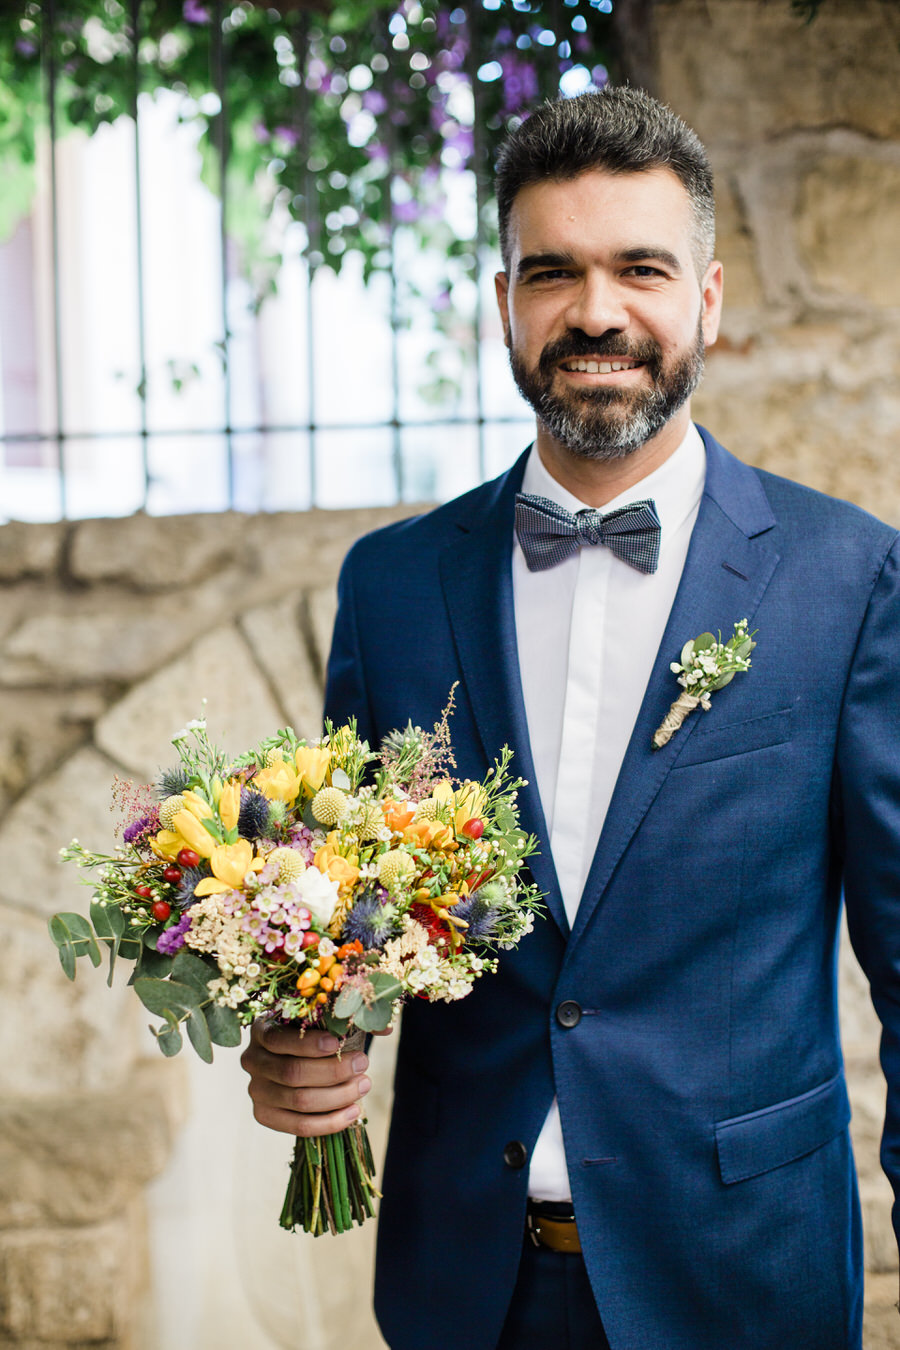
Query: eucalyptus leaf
[[348, 1001], [67, 959], [339, 779], [73, 930], [151, 962], [108, 921], [721, 682], [375, 1016], [224, 1027], [130, 949], [193, 970], [687, 652], [338, 1026], [704, 642], [385, 985], [168, 1039], [744, 650], [164, 996], [198, 1034]]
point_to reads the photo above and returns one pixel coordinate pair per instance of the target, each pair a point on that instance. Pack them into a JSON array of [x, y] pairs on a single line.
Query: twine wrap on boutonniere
[[707, 664]]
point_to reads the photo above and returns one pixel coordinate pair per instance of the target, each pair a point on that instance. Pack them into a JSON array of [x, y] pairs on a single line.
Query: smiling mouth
[[583, 366]]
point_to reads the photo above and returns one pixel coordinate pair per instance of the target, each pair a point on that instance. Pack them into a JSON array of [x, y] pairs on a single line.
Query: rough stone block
[[81, 1158], [68, 1286], [156, 553], [59, 1036], [280, 645], [322, 605], [28, 550], [847, 214], [742, 71], [218, 667]]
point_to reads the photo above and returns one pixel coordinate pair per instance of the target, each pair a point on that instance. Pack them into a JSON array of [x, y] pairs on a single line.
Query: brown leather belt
[[552, 1225]]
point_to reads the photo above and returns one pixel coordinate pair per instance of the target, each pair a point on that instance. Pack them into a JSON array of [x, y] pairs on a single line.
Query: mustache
[[578, 343]]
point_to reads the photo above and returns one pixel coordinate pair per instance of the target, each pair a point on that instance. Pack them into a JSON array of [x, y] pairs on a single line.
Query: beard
[[608, 423]]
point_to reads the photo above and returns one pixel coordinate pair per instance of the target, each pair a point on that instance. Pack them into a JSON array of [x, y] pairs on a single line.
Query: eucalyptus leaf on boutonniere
[[706, 665]]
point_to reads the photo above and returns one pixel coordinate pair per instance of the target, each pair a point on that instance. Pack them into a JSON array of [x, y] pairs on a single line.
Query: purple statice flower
[[287, 134], [140, 828], [24, 47], [406, 213], [261, 133], [170, 941], [194, 13]]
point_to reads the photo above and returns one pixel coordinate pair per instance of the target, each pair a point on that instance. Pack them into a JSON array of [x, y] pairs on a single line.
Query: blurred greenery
[[351, 117]]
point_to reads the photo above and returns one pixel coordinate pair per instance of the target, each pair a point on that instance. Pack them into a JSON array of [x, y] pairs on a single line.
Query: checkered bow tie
[[549, 534]]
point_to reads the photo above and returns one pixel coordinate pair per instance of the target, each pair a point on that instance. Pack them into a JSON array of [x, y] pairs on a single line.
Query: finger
[[307, 1111], [297, 1071], [287, 1041]]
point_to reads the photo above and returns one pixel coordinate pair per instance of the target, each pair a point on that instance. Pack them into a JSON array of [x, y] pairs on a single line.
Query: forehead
[[599, 209]]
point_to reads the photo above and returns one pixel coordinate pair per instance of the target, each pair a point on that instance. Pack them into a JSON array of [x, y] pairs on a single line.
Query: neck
[[596, 482]]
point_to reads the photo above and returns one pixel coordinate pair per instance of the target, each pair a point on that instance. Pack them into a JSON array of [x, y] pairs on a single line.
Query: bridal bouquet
[[314, 882]]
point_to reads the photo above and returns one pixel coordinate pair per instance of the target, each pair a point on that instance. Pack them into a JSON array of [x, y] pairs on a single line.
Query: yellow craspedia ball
[[275, 756], [169, 809], [427, 809], [288, 861], [329, 805], [394, 866], [371, 822]]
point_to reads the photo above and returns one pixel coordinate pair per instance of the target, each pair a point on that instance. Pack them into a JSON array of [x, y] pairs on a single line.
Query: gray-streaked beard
[[608, 424]]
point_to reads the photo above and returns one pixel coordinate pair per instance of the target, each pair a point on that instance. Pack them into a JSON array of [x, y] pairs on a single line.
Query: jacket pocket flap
[[755, 1143], [737, 738]]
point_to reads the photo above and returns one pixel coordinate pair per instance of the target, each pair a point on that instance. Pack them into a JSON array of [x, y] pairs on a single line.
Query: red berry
[[474, 828], [309, 939], [144, 892], [189, 857], [160, 909], [173, 874]]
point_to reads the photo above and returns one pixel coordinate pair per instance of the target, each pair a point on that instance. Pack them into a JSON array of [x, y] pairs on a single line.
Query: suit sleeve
[[346, 691], [868, 765]]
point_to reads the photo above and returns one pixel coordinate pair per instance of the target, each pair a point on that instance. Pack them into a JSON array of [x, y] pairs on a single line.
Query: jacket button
[[515, 1154], [568, 1014]]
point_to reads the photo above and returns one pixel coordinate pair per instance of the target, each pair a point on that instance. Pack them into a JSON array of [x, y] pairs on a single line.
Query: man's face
[[604, 314]]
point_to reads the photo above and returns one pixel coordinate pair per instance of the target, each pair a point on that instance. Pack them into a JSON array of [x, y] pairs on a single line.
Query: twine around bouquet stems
[[685, 703]]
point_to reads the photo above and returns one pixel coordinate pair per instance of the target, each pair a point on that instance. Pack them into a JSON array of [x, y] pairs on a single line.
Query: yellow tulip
[[470, 803], [278, 782], [193, 834], [230, 804], [339, 869], [167, 844], [230, 863], [197, 805], [312, 766]]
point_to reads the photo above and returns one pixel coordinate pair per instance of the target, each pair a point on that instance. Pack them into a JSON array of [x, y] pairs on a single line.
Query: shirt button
[[568, 1014], [515, 1154]]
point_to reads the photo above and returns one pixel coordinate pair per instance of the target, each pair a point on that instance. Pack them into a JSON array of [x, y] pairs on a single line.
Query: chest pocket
[[736, 738]]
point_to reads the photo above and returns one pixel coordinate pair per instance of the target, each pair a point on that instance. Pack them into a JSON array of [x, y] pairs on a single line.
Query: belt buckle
[[532, 1227]]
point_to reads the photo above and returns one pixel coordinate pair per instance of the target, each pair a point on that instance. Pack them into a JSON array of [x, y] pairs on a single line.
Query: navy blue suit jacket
[[702, 1095]]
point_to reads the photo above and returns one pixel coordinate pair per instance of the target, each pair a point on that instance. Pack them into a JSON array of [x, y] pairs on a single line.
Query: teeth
[[599, 367]]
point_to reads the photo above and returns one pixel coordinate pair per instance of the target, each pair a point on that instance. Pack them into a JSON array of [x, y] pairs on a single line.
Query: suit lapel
[[728, 567], [476, 575]]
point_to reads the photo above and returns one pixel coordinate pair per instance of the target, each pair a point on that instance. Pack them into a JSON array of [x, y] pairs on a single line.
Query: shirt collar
[[675, 487]]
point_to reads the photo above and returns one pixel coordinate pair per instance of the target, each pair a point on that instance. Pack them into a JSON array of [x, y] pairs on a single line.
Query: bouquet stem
[[331, 1185]]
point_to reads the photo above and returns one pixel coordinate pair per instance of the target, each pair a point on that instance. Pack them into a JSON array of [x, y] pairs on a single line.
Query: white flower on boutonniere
[[707, 664]]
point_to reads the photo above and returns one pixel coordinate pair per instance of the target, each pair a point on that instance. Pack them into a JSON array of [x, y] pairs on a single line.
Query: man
[[659, 1061]]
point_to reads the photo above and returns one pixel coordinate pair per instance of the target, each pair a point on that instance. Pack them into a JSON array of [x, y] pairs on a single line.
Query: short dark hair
[[619, 130]]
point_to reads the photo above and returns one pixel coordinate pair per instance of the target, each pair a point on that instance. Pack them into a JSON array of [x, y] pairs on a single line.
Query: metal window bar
[[312, 427]]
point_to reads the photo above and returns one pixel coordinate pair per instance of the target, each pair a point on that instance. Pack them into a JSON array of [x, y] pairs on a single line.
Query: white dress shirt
[[588, 633]]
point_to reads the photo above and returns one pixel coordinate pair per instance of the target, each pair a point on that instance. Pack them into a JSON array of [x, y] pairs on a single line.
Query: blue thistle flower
[[253, 817], [481, 916], [190, 880], [372, 920], [171, 782]]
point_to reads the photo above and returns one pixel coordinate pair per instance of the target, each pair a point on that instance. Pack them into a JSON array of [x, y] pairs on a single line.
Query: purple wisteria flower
[[194, 13]]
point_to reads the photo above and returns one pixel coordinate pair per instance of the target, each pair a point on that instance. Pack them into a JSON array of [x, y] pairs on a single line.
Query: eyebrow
[[644, 253]]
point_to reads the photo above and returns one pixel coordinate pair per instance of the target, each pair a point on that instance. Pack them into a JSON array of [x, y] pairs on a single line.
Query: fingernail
[[363, 1086], [360, 1062], [352, 1113], [328, 1043]]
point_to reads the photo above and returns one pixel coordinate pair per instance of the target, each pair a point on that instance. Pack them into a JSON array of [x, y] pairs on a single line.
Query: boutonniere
[[707, 664]]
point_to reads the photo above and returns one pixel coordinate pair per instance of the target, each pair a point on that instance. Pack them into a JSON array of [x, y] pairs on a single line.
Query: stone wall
[[137, 1197]]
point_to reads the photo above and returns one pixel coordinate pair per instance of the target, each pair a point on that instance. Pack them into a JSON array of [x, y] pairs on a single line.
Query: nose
[[597, 306]]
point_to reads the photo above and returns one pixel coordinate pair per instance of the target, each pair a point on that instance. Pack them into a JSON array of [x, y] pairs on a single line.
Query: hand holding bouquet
[[317, 883]]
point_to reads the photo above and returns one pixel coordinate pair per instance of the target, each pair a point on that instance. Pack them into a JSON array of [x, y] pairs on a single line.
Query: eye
[[643, 271]]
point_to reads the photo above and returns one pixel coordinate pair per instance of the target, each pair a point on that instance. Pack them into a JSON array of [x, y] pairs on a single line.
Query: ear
[[501, 285], [711, 302]]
